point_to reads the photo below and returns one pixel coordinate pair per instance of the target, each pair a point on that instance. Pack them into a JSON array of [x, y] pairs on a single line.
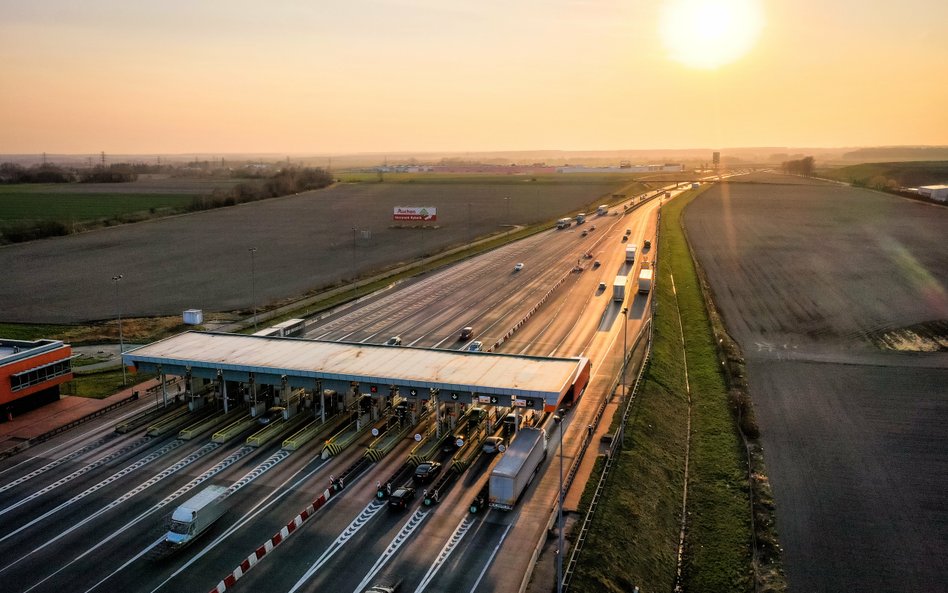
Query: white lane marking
[[407, 530], [99, 462], [176, 467], [358, 523], [459, 532], [85, 435], [119, 474], [491, 559], [53, 464], [121, 568], [249, 516]]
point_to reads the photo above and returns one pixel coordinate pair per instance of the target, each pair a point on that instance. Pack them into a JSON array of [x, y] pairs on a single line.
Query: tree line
[[804, 166], [48, 173]]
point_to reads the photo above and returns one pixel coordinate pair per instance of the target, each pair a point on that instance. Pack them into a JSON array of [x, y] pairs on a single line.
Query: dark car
[[467, 333], [274, 413], [425, 472], [401, 497]]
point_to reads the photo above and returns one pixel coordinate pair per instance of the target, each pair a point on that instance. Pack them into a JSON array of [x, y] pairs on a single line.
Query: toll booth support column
[[322, 401], [437, 409], [223, 391], [164, 390]]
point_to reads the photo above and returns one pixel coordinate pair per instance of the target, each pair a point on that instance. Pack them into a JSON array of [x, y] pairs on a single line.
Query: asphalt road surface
[[82, 511]]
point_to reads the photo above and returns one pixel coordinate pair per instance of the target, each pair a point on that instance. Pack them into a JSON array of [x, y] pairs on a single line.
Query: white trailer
[[517, 467], [196, 515], [645, 281], [618, 288]]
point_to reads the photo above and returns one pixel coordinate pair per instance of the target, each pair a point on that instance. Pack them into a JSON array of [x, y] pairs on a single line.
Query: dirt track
[[854, 437], [303, 242]]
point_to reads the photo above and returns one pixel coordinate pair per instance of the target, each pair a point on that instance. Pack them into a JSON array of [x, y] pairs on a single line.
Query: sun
[[710, 33]]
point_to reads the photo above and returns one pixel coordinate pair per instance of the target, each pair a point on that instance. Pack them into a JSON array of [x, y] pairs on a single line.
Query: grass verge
[[634, 535], [101, 384]]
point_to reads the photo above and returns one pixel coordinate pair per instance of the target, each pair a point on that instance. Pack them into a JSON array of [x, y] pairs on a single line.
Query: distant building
[[624, 167], [31, 372], [939, 193]]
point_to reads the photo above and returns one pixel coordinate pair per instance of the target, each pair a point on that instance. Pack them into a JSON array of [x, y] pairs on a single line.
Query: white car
[[518, 267]]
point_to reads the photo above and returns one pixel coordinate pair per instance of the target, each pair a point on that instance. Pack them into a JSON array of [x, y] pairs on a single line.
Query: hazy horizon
[[418, 76]]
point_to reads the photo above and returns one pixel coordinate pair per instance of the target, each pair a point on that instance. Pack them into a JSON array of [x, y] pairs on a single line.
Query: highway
[[83, 511]]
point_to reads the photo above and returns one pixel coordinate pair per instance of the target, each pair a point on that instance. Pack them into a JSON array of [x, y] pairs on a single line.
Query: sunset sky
[[338, 76]]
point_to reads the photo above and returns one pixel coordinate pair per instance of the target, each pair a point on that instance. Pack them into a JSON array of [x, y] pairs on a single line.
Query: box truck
[[618, 288], [196, 515], [516, 468], [645, 281], [630, 253]]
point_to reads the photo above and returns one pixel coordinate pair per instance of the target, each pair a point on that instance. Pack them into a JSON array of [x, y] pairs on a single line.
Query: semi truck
[[602, 210], [564, 223], [195, 516], [630, 253], [645, 281], [618, 288], [516, 469]]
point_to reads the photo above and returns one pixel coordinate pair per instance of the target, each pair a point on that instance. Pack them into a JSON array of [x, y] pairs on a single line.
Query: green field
[[634, 535], [482, 178], [892, 175], [35, 202]]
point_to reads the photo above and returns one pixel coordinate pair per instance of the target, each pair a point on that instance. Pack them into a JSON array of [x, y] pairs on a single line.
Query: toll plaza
[[300, 373]]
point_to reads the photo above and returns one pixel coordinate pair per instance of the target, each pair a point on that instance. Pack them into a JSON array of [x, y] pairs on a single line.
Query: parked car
[[518, 267], [494, 445], [394, 341], [466, 333], [475, 346], [425, 472], [274, 413], [401, 497]]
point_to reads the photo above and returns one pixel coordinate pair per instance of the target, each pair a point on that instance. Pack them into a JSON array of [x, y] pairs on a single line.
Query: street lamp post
[[625, 358], [118, 307], [253, 285], [559, 545]]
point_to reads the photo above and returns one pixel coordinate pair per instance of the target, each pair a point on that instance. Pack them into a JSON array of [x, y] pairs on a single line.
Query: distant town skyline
[[370, 76]]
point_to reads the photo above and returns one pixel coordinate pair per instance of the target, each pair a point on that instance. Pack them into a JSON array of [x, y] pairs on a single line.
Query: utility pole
[[253, 288], [118, 307]]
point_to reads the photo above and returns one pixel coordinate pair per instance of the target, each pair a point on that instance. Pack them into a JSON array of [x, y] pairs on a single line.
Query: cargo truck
[[195, 516], [516, 469], [630, 253], [602, 210], [618, 288], [645, 281], [580, 218], [564, 223]]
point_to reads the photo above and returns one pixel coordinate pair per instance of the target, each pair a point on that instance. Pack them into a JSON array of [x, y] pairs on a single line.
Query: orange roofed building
[[31, 373]]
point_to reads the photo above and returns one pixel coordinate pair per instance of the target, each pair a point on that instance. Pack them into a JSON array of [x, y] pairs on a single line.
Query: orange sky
[[336, 76]]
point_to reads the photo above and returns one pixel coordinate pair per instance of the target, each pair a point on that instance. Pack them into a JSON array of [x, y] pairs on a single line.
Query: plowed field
[[806, 274]]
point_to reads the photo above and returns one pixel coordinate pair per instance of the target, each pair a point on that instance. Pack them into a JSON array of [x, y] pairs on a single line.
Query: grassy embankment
[[890, 175], [634, 536]]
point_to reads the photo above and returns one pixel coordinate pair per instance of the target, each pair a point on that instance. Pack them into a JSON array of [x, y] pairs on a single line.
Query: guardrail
[[22, 446]]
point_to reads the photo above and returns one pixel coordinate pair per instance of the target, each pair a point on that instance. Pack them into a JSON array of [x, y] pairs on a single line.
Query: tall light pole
[[559, 545], [118, 307], [625, 357], [253, 284]]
